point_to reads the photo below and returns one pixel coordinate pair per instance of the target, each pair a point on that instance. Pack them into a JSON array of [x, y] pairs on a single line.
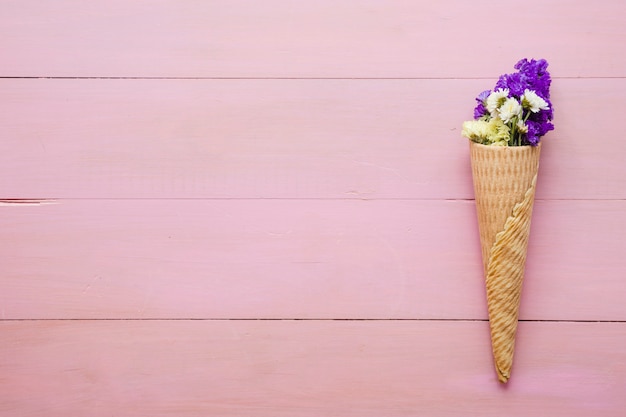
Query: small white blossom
[[510, 109], [521, 126], [496, 99], [531, 101]]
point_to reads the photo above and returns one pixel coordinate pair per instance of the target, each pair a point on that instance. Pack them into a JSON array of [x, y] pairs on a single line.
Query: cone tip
[[503, 376]]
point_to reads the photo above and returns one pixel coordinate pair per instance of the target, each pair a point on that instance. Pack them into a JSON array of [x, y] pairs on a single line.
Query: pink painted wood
[[295, 368], [283, 38], [284, 139], [284, 160], [298, 259]]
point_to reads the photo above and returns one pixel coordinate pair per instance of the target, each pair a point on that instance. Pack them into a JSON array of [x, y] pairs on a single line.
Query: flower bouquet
[[505, 134]]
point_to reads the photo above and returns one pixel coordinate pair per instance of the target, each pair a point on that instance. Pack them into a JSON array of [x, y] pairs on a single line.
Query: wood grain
[[285, 38], [236, 208], [295, 368], [284, 139], [298, 259]]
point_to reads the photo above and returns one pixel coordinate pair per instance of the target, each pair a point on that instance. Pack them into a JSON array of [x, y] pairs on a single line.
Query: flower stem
[[513, 125]]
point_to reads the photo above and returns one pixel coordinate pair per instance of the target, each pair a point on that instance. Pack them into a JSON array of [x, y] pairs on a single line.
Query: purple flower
[[516, 83], [532, 75], [541, 85], [525, 66], [536, 129], [549, 114], [534, 117], [483, 96], [543, 117], [536, 76], [532, 136], [480, 110]]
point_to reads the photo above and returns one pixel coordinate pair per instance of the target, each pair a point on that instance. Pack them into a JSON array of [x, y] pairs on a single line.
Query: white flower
[[531, 101], [496, 99], [521, 126], [510, 109]]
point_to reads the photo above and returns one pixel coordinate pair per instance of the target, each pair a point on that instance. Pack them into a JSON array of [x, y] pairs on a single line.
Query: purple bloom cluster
[[531, 75], [480, 109]]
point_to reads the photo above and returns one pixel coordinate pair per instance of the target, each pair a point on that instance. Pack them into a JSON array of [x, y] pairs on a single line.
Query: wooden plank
[[298, 259], [295, 368], [284, 139], [283, 38]]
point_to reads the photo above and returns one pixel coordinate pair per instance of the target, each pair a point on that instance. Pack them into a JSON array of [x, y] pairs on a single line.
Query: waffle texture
[[505, 180]]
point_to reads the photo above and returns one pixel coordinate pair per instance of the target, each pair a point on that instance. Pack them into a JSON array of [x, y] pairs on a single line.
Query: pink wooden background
[[240, 208]]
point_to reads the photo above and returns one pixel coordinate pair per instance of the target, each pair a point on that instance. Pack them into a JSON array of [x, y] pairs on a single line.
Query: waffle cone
[[505, 179]]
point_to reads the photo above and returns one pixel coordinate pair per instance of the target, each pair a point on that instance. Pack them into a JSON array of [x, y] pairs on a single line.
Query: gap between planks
[[308, 319], [45, 201], [95, 77]]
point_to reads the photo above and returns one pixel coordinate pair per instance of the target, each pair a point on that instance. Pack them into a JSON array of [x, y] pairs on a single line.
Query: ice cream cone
[[505, 178]]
